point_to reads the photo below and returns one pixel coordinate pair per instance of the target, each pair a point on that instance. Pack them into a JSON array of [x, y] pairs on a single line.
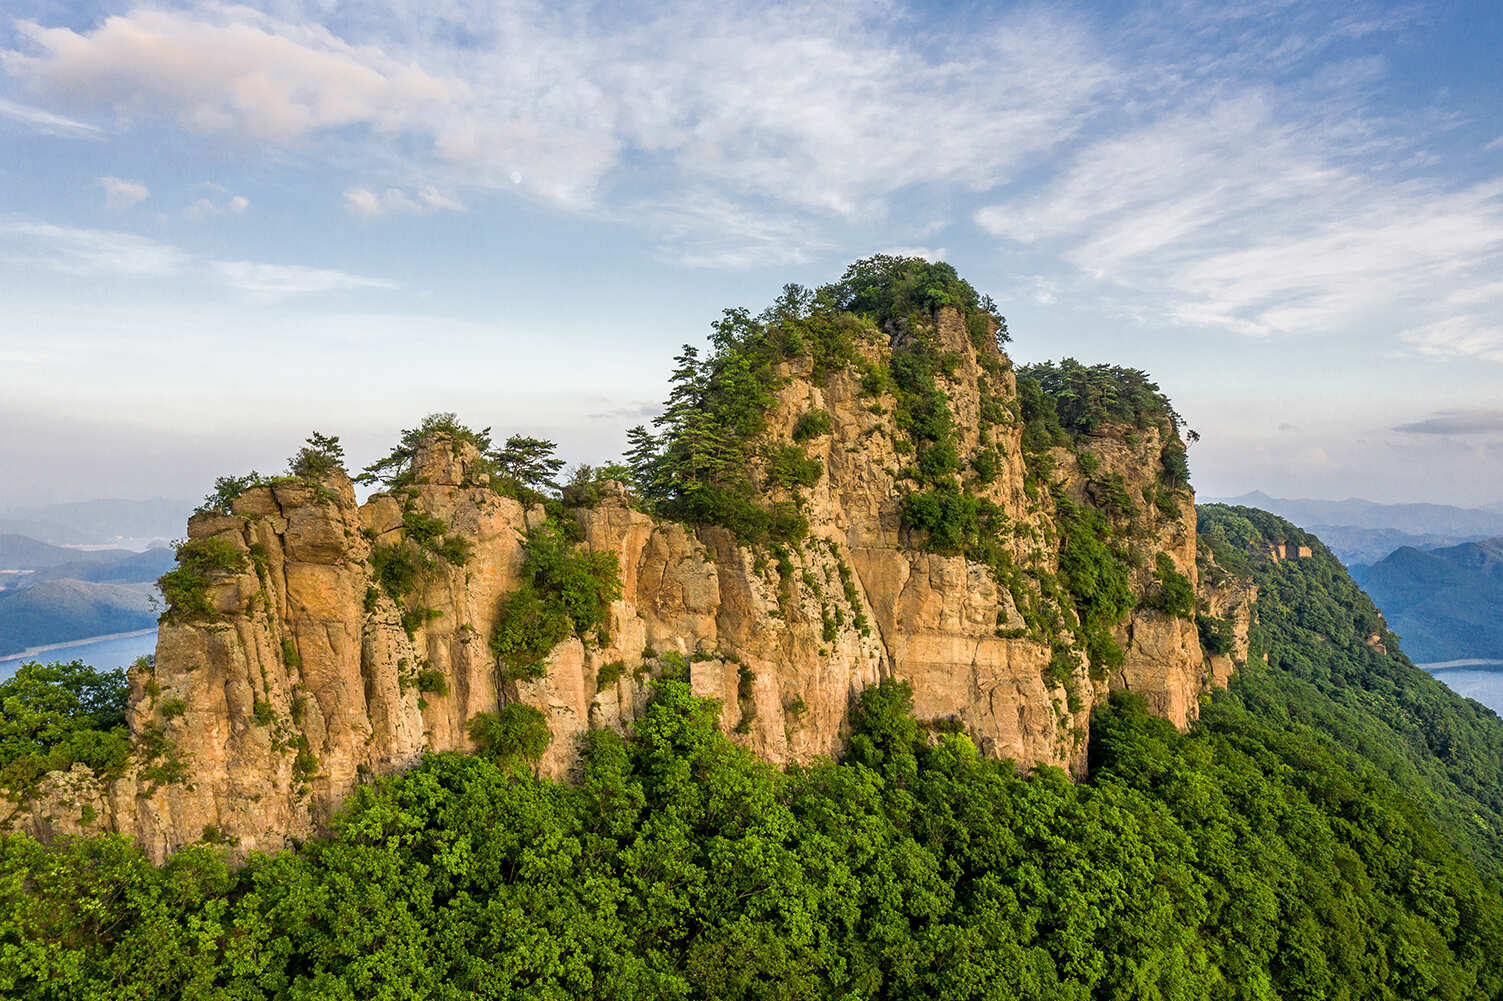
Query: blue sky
[[222, 226]]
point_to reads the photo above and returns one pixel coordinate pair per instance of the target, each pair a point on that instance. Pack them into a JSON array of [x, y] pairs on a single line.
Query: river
[[102, 652]]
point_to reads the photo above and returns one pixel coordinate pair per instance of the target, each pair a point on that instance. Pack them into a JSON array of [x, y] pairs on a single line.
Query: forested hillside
[[1335, 670], [1446, 604]]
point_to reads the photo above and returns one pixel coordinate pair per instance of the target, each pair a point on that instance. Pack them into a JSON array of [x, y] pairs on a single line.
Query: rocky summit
[[319, 643]]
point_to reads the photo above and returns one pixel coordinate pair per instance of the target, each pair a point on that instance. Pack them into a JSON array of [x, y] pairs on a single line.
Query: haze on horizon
[[223, 226]]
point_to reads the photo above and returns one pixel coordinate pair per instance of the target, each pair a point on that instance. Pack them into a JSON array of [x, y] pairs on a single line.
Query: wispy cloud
[[754, 103], [78, 251], [1458, 337], [283, 279], [48, 123], [120, 194], [1448, 422], [94, 252], [228, 69]]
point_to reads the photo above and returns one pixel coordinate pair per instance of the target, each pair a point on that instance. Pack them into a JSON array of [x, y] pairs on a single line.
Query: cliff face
[[258, 719]]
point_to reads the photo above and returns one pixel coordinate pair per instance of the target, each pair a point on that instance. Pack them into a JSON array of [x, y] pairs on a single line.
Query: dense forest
[[1268, 853], [1336, 670]]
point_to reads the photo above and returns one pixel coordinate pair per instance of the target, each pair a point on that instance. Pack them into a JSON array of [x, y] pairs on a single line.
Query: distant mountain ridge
[[72, 594], [20, 552], [59, 611], [1417, 519], [1446, 604], [1362, 532], [98, 521]]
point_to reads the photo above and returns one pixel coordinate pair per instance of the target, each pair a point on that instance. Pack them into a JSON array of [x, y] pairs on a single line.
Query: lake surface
[[1481, 680], [102, 652]]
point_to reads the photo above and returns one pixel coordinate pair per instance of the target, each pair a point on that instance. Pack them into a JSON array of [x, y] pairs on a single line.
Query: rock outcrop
[[308, 678]]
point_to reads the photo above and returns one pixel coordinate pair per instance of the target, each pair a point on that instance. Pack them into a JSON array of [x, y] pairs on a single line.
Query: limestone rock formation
[[309, 677]]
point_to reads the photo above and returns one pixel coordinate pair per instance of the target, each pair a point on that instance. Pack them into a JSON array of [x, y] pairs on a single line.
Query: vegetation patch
[[186, 588], [519, 733], [565, 591], [55, 715]]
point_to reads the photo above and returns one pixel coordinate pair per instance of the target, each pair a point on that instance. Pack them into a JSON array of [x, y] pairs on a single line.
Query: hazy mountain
[[1418, 519], [1355, 546], [1362, 531], [57, 611], [18, 552], [128, 568], [1446, 604], [99, 521]]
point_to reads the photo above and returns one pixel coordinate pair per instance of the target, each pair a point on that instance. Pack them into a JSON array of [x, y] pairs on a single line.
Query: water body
[[101, 652], [1476, 679]]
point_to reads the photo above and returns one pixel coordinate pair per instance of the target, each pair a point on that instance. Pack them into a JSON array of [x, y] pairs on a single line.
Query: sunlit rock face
[[307, 682]]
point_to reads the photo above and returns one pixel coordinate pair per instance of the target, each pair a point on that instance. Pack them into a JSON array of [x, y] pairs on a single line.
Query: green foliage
[[1096, 577], [396, 568], [432, 682], [320, 456], [530, 463], [1236, 862], [186, 588], [907, 290], [519, 733], [812, 424], [227, 489], [1080, 400], [609, 673], [290, 656], [173, 708], [565, 590], [1171, 593], [305, 764], [1216, 635], [788, 466], [417, 616], [53, 715], [953, 520], [432, 534], [587, 484]]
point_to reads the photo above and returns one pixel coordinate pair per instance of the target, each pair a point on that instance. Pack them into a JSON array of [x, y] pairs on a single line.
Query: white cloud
[[832, 116], [703, 229], [927, 253], [229, 69], [207, 208], [121, 194], [1249, 214], [365, 202], [48, 123]]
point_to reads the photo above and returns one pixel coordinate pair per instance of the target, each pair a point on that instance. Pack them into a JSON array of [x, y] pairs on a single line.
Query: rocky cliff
[[302, 674]]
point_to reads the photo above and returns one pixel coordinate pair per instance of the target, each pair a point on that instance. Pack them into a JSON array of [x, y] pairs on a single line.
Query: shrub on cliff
[[395, 469], [186, 588], [565, 591], [321, 455]]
